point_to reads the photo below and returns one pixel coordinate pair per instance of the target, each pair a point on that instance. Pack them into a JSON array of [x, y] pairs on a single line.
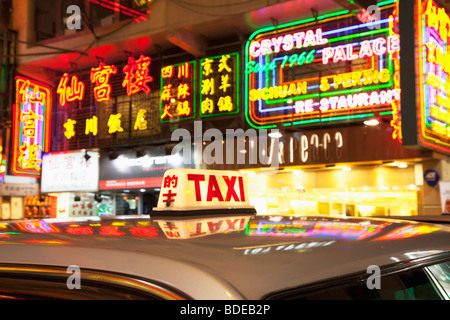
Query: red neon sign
[[72, 93], [136, 75], [31, 126], [100, 77]]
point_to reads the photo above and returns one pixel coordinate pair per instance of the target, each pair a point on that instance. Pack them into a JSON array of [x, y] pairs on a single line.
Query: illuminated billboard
[[219, 85], [31, 126], [433, 34], [322, 70], [178, 94]]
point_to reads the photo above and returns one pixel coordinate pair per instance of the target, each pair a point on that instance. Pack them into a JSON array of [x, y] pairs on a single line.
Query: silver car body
[[222, 257]]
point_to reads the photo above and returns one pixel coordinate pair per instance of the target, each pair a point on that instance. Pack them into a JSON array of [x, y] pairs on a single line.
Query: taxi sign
[[187, 192]]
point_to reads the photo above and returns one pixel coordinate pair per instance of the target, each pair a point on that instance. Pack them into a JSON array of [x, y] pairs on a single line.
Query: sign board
[[321, 71], [31, 126], [70, 171], [178, 92], [433, 110], [219, 85], [19, 189], [129, 172]]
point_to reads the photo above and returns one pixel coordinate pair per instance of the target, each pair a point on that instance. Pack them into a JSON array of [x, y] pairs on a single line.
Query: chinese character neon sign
[[136, 75], [70, 93], [178, 96], [31, 126], [219, 83], [434, 63], [100, 77], [308, 73]]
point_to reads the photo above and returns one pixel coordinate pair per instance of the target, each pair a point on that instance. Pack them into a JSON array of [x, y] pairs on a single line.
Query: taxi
[[204, 241]]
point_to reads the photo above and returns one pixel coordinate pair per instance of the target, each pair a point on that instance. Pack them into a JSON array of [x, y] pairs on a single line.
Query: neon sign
[[434, 64], [219, 83], [136, 75], [178, 96], [396, 108], [313, 71], [70, 93], [31, 126], [100, 77]]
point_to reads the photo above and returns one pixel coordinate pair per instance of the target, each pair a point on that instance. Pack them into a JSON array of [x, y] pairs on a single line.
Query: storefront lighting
[[345, 168], [275, 135], [371, 122], [402, 165], [142, 190]]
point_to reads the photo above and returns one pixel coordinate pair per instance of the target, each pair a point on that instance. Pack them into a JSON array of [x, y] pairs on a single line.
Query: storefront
[[19, 199], [133, 183], [71, 180], [355, 170]]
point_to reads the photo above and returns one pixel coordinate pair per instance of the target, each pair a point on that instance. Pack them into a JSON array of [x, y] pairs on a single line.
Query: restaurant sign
[[31, 126], [319, 71]]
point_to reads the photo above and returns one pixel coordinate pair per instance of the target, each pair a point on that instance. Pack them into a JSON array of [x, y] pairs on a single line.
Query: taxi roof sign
[[187, 192]]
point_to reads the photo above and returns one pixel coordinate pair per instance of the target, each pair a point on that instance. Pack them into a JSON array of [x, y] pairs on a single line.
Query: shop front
[[354, 171], [71, 180], [133, 183]]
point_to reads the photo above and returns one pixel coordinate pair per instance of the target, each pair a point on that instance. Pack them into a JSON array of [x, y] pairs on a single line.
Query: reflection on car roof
[[255, 254]]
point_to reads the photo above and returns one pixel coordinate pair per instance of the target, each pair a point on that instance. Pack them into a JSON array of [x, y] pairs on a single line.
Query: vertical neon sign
[[31, 126], [434, 71], [219, 83], [178, 92], [396, 106]]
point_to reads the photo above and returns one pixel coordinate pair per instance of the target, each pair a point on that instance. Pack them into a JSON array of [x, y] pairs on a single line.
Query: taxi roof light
[[193, 192]]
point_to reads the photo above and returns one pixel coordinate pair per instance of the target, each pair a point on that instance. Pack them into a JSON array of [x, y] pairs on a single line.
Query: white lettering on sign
[[325, 147], [359, 100], [302, 39], [378, 47], [214, 191]]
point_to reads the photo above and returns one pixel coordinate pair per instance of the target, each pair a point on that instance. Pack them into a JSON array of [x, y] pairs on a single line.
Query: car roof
[[270, 253]]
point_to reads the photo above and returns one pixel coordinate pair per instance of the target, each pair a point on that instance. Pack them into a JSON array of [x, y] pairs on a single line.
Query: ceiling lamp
[[275, 134], [372, 122]]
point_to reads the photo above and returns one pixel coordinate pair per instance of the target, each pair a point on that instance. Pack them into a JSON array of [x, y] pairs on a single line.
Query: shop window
[[45, 19]]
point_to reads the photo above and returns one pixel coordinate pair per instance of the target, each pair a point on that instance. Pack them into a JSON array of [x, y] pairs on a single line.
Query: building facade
[[129, 82]]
